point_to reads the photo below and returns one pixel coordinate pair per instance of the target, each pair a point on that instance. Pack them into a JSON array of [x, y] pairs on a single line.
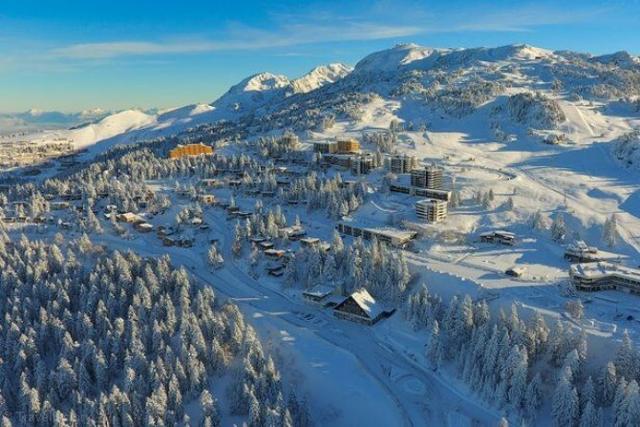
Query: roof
[[366, 302], [394, 233], [599, 270], [319, 291]]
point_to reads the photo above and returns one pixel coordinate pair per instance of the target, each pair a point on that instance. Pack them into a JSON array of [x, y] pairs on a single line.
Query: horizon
[[161, 55]]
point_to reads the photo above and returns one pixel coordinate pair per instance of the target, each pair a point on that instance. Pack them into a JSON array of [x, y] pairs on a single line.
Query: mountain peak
[[319, 76], [391, 59]]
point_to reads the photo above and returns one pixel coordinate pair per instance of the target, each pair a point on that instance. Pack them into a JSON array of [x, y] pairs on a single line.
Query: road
[[377, 357]]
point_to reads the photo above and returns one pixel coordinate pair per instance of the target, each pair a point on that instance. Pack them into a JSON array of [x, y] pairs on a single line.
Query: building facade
[[427, 177], [596, 276], [348, 146], [392, 236], [325, 147], [361, 165], [431, 210], [190, 150], [401, 163]]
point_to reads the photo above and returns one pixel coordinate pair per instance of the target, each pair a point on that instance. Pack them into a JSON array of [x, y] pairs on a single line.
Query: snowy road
[[341, 360]]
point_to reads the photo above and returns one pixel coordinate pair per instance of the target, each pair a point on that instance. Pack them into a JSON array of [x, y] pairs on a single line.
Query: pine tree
[[610, 232], [590, 416], [607, 383], [558, 227], [564, 406], [626, 358]]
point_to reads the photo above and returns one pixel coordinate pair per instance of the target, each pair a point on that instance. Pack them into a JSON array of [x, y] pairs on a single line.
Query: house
[[143, 227], [264, 245], [500, 236], [209, 182], [274, 253], [129, 217], [275, 270], [196, 221], [360, 307], [318, 293], [56, 206], [515, 271], [190, 150], [206, 199], [309, 241]]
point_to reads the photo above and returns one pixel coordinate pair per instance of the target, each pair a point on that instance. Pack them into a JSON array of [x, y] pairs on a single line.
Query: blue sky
[[71, 55]]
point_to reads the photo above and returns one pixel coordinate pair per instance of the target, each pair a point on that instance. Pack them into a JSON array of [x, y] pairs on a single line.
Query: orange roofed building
[[348, 146], [190, 150]]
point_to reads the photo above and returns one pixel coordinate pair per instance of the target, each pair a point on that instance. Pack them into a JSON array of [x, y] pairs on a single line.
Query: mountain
[[320, 76], [261, 89], [515, 90]]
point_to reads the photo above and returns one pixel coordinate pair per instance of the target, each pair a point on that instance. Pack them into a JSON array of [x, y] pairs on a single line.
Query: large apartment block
[[325, 147], [361, 165], [348, 146], [595, 276], [427, 177], [431, 210], [190, 150], [401, 163]]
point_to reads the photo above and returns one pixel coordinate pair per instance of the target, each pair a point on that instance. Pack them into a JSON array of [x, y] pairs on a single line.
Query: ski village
[[434, 237]]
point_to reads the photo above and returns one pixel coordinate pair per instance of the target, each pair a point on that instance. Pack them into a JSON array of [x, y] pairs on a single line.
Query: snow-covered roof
[[319, 291], [366, 302], [600, 270]]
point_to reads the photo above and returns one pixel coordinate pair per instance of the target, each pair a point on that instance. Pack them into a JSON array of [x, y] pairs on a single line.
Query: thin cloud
[[314, 27]]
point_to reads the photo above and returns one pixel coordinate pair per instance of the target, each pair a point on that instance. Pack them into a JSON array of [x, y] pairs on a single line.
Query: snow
[[320, 76], [364, 299], [582, 177], [392, 59]]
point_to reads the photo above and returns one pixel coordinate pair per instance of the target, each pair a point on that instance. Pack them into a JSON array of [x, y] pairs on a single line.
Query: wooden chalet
[[360, 307]]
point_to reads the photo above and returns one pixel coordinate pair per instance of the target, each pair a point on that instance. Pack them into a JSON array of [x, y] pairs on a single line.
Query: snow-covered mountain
[[516, 90], [36, 119]]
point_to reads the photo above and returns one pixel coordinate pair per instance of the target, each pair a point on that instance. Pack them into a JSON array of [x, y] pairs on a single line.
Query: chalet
[[502, 237], [257, 239], [318, 294], [309, 241], [515, 271], [56, 206], [129, 217], [274, 253], [184, 242], [360, 307], [276, 270], [264, 245], [208, 183], [206, 199], [244, 214], [143, 227], [196, 221], [168, 241]]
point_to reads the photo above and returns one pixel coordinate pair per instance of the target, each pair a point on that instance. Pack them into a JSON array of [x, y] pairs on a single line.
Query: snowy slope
[[319, 77]]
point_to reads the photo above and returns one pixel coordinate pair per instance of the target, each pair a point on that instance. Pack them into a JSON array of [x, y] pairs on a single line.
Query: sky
[[71, 55]]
